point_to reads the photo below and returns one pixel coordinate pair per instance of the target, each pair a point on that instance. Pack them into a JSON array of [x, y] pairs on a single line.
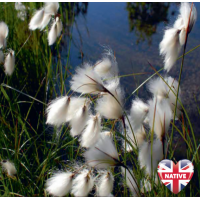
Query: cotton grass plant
[[101, 151], [175, 37], [109, 150], [3, 34], [9, 167], [9, 60], [158, 111], [42, 18]]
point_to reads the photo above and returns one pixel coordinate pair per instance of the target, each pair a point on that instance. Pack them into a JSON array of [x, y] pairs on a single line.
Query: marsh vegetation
[[75, 113]]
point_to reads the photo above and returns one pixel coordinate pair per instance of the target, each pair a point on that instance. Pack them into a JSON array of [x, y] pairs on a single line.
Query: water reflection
[[72, 10], [145, 17]]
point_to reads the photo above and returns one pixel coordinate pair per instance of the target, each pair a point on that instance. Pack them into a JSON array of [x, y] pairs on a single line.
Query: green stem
[[124, 126], [180, 74]]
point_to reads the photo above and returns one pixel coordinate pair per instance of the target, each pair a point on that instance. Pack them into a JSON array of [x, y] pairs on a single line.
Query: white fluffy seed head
[[92, 131], [138, 112], [51, 8], [59, 184], [3, 34], [185, 9], [158, 88], [172, 97], [59, 26], [145, 155], [110, 54], [170, 39], [21, 14], [174, 37], [160, 115], [37, 19], [55, 31], [79, 120], [83, 184], [108, 106], [161, 91], [139, 136], [102, 67], [103, 154], [105, 185], [182, 36], [75, 105], [9, 167], [57, 111], [1, 57], [179, 23], [52, 35], [107, 66], [9, 64], [19, 6], [131, 183], [106, 134], [45, 21], [170, 48], [86, 80], [173, 84], [3, 42]]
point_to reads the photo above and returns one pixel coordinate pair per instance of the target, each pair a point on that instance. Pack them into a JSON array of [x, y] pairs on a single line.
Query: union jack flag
[[175, 177]]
